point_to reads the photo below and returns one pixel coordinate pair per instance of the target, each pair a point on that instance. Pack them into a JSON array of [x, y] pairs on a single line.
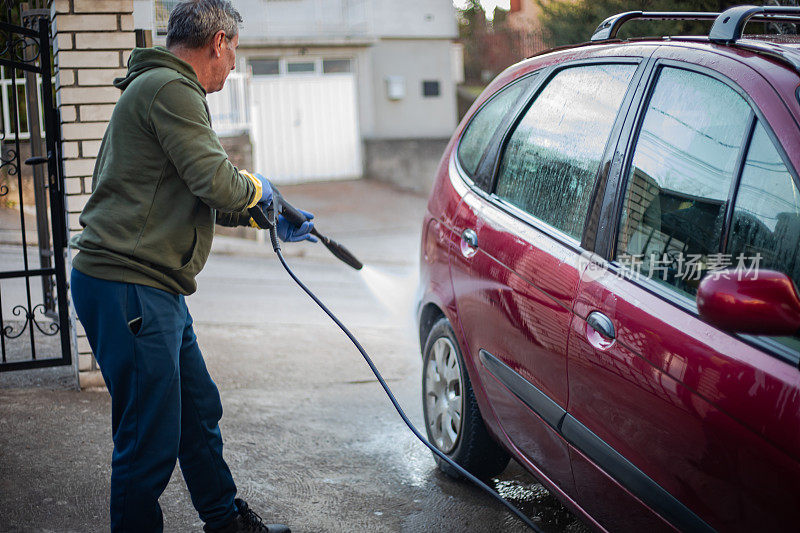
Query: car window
[[481, 129], [550, 164], [766, 216], [678, 186]]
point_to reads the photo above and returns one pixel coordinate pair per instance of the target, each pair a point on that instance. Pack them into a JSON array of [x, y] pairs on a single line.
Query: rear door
[[516, 277], [700, 425]]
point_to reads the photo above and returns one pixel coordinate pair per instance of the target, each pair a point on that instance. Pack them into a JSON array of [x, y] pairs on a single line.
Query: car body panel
[[657, 394], [610, 504], [514, 298]]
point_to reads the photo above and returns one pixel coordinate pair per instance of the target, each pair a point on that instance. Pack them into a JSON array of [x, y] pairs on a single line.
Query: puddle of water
[[536, 502]]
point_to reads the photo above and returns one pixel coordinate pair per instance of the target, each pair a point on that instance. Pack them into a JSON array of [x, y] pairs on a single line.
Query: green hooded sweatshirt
[[160, 177]]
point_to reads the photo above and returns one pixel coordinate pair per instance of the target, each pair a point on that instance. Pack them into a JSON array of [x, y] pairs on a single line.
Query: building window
[[300, 67], [161, 14], [336, 66], [7, 115], [265, 67], [430, 88]]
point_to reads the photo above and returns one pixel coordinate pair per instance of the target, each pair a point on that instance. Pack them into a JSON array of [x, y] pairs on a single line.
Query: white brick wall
[[99, 6], [67, 22], [83, 58], [92, 40], [88, 77], [86, 95]]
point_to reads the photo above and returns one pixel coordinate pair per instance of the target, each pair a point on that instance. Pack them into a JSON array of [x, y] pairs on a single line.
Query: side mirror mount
[[761, 302]]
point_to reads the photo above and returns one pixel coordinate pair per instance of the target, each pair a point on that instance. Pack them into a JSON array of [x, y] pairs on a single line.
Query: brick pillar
[[92, 40]]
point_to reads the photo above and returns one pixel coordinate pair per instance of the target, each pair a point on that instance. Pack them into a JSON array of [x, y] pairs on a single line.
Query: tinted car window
[[485, 122], [766, 217], [683, 164], [551, 161]]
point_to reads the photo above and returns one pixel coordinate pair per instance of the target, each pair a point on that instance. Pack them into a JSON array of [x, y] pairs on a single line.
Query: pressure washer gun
[[266, 219]]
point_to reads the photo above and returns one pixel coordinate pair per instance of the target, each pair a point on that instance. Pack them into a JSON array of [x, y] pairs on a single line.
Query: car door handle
[[470, 238], [601, 324], [469, 243]]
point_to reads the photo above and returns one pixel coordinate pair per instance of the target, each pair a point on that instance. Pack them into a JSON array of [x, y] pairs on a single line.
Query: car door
[[517, 274], [698, 424]]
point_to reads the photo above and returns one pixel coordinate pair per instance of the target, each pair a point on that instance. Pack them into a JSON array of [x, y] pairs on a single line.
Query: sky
[[488, 5]]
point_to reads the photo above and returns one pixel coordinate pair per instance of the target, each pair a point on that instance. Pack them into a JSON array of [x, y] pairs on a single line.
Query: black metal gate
[[34, 315]]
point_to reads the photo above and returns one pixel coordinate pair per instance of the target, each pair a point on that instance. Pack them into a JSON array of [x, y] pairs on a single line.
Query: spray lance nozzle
[[266, 219]]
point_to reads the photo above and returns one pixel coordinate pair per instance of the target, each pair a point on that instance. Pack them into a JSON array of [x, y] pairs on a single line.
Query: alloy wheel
[[443, 395]]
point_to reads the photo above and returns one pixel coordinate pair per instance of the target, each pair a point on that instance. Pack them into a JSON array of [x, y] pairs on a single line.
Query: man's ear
[[218, 42]]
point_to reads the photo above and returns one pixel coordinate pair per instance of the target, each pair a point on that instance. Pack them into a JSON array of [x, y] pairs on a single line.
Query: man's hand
[[288, 232], [266, 191], [263, 196]]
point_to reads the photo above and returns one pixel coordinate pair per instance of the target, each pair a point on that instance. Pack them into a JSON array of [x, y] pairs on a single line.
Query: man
[[160, 182]]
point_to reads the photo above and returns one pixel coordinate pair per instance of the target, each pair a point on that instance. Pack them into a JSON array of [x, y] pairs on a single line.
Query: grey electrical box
[[395, 87]]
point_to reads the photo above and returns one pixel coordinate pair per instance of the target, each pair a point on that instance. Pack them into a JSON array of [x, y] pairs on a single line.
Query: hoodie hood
[[144, 59]]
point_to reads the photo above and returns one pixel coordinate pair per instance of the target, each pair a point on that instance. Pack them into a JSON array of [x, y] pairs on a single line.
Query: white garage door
[[305, 127]]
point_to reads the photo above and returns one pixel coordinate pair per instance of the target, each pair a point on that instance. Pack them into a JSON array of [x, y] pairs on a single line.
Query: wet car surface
[[589, 270]]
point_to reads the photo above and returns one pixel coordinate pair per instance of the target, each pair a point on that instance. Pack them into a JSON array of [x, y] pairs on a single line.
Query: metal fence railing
[[229, 107]]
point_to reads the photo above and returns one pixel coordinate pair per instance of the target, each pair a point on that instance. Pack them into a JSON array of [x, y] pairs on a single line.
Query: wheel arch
[[428, 316]]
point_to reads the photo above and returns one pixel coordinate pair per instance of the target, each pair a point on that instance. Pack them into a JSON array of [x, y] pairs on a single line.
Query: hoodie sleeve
[[179, 118], [232, 220]]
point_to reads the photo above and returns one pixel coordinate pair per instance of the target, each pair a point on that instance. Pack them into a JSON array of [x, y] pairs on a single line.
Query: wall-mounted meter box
[[395, 87]]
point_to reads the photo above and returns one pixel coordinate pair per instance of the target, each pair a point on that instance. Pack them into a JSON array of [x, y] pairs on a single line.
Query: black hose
[[277, 247]]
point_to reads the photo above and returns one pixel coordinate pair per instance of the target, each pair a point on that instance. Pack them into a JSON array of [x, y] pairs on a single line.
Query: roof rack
[[608, 28], [727, 27]]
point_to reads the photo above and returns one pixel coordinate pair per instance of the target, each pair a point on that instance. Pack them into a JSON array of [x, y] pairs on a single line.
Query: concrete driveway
[[310, 437]]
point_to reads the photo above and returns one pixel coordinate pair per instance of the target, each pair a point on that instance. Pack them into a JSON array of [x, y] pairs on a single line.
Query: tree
[[574, 21], [491, 46]]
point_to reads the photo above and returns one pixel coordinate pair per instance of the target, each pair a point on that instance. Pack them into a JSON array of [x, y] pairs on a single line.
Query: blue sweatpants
[[164, 405]]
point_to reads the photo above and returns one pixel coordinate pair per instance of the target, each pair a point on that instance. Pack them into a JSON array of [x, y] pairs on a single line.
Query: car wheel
[[452, 419]]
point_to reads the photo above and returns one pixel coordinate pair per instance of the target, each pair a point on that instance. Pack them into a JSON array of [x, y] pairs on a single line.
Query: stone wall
[[410, 164], [240, 151]]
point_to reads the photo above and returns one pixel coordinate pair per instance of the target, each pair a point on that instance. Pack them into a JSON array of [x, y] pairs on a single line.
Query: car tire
[[446, 393]]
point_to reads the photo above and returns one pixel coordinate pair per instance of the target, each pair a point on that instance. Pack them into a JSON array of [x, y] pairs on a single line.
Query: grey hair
[[193, 23]]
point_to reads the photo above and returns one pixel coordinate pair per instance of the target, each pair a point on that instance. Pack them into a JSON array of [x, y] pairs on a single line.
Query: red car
[[609, 268]]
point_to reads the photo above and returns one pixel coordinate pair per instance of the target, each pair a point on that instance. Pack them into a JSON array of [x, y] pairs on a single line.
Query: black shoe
[[247, 521]]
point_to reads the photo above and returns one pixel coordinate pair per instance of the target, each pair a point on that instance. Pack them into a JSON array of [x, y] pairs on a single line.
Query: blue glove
[[266, 190], [291, 233]]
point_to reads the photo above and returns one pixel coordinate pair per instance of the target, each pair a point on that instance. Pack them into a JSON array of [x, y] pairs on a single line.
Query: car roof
[[763, 53]]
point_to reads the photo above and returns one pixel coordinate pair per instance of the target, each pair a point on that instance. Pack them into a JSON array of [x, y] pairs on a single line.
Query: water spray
[[266, 219]]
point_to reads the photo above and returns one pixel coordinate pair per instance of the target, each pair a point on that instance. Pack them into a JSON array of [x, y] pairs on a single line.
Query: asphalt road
[[310, 437]]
